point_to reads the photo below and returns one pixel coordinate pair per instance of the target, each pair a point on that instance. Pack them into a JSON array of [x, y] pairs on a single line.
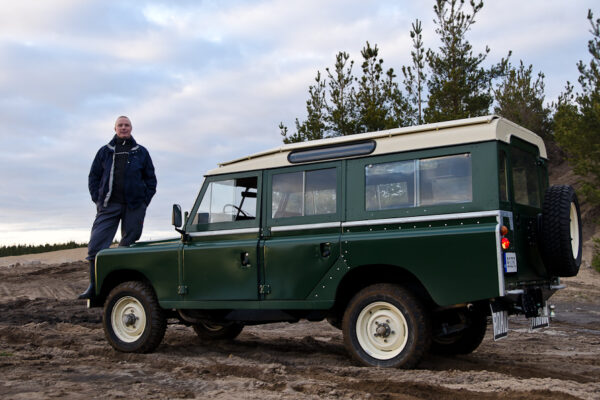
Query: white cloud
[[203, 82]]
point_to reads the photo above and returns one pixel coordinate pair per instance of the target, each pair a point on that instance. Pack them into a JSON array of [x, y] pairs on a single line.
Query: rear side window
[[304, 193], [390, 185], [526, 184], [422, 182], [445, 180], [502, 176]]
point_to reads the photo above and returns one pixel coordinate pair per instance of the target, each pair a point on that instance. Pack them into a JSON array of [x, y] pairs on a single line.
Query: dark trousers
[[106, 224]]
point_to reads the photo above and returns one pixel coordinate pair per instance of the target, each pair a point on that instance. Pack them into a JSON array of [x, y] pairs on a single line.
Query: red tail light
[[505, 243]]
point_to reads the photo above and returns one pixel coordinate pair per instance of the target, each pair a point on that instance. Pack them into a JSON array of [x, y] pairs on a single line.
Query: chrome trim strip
[[515, 291], [305, 226], [424, 218], [224, 232], [558, 287]]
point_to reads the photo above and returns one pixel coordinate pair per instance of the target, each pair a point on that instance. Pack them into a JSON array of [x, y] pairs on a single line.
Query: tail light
[[504, 242]]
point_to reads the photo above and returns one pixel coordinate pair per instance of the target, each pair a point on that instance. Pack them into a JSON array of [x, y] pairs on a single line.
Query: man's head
[[123, 127]]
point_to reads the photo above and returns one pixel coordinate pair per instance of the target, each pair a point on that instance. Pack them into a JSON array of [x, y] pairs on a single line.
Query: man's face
[[123, 128]]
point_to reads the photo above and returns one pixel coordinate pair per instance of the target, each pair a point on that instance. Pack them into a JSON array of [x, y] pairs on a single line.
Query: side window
[[502, 175], [390, 185], [526, 186], [228, 201], [445, 180], [413, 183], [304, 193]]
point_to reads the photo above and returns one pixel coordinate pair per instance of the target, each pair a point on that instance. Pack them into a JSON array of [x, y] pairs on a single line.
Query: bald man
[[122, 183]]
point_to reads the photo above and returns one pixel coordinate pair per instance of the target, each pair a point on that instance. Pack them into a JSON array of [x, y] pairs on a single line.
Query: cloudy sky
[[203, 82]]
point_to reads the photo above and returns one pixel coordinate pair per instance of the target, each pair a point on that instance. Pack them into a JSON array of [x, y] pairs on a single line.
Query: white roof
[[462, 131]]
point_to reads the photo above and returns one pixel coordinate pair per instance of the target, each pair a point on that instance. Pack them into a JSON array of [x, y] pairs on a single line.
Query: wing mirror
[[176, 219]]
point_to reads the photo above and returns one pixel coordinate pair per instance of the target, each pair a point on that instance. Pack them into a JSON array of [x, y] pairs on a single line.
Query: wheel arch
[[370, 274], [115, 278]]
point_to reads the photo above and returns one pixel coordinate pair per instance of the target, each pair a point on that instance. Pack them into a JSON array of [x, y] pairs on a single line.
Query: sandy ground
[[51, 346]]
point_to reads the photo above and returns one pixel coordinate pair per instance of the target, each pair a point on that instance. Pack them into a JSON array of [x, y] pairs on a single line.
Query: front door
[[220, 261]]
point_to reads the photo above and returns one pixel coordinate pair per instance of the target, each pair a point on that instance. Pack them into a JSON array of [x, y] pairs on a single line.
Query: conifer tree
[[459, 86], [341, 109], [314, 126], [577, 119], [520, 98], [414, 77]]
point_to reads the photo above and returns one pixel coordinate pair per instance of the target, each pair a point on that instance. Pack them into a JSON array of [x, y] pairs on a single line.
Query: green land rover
[[408, 240]]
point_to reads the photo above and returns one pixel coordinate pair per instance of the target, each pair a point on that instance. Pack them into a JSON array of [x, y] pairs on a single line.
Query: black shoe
[[89, 292]]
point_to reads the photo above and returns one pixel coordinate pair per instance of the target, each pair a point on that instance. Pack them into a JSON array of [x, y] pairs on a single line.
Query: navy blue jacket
[[140, 180]]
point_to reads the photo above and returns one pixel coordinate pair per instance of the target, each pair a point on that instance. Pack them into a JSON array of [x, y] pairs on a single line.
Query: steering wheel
[[239, 210]]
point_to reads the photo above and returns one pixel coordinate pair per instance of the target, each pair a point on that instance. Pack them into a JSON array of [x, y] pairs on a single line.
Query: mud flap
[[542, 320], [499, 321]]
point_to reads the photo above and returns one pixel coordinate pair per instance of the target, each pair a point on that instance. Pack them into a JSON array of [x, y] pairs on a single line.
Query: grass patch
[[20, 249], [5, 354]]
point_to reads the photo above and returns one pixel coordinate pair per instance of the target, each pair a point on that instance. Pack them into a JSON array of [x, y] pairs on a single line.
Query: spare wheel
[[561, 231]]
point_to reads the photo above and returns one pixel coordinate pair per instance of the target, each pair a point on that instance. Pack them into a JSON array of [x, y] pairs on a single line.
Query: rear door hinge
[[182, 290], [264, 289]]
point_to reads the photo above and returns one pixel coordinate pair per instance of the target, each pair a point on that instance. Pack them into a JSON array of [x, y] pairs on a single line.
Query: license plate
[[500, 323], [510, 262], [541, 321]]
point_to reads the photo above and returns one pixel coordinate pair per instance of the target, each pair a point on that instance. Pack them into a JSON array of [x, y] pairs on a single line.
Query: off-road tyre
[[465, 341], [218, 331], [560, 236], [385, 325], [141, 333]]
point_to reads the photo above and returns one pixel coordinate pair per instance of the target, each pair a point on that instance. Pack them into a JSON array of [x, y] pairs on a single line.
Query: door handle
[[325, 249], [245, 259]]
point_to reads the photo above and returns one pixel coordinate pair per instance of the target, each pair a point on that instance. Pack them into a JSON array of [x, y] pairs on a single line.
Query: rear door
[[528, 183]]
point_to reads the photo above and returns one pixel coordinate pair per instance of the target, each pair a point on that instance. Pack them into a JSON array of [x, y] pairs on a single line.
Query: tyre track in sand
[[51, 345]]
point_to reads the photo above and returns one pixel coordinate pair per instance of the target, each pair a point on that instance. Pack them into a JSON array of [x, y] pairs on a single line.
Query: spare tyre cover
[[561, 231]]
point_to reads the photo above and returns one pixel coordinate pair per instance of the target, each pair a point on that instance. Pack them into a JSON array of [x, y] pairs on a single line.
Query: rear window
[[304, 193], [526, 184]]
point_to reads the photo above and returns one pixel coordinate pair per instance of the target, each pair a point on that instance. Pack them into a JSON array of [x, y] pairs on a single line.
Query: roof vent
[[331, 152]]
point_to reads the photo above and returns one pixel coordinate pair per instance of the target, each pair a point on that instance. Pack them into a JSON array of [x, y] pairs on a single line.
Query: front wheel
[[386, 326], [133, 320]]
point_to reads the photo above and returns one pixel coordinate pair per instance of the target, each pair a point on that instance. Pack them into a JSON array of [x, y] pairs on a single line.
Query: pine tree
[[577, 119], [314, 127], [341, 109], [459, 86], [370, 98], [380, 102], [414, 77], [520, 98]]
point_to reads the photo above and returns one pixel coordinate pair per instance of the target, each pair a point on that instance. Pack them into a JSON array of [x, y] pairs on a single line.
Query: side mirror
[[176, 216]]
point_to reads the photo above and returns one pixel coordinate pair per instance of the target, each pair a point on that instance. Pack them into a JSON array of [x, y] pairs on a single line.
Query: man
[[121, 183]]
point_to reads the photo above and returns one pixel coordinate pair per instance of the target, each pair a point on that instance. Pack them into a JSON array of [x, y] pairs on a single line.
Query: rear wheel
[[386, 326], [458, 332], [216, 331], [133, 320], [561, 238]]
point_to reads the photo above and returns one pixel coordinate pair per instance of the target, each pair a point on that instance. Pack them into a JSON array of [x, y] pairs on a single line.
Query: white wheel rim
[[381, 330], [128, 319], [574, 227], [212, 327]]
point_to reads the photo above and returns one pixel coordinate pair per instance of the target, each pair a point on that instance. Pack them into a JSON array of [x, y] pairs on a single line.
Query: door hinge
[[182, 289], [264, 289]]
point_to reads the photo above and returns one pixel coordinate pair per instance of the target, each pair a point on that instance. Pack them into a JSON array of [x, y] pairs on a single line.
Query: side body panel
[[214, 269], [159, 263]]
